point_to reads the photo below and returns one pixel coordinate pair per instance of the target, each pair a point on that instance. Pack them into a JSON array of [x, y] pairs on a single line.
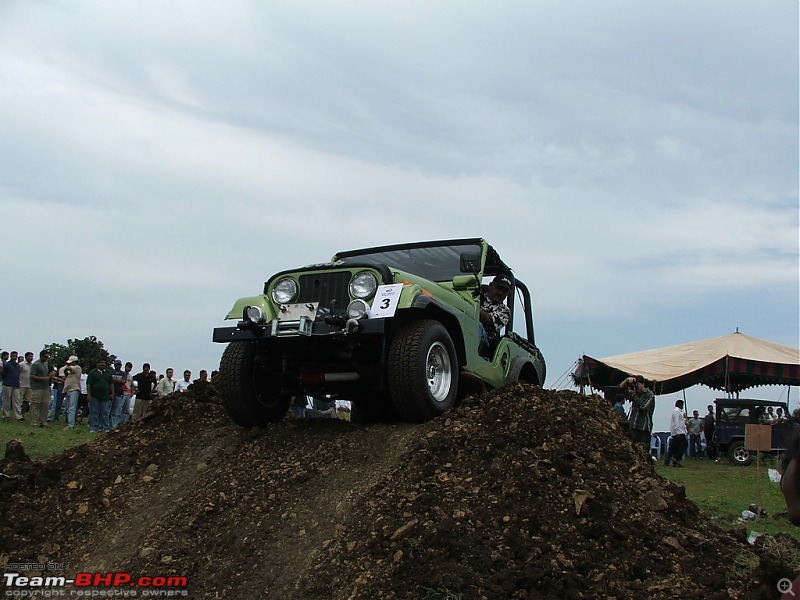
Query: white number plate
[[293, 312]]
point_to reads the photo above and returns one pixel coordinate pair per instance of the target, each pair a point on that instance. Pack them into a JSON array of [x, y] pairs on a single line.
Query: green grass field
[[721, 490], [43, 442]]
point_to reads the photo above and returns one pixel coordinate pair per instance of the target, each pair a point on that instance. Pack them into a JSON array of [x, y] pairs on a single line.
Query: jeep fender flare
[[431, 308]]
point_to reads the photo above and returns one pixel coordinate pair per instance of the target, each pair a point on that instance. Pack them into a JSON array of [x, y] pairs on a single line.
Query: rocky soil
[[518, 493]]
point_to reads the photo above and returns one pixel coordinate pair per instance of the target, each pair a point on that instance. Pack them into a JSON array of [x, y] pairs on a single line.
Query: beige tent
[[730, 363]]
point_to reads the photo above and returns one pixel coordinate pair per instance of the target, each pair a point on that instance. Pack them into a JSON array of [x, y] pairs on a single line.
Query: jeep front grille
[[324, 287]]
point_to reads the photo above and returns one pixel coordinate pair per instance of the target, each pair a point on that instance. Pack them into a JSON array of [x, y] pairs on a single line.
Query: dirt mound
[[518, 493]]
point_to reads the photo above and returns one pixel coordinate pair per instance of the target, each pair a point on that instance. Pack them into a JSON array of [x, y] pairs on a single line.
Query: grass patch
[[723, 490], [43, 442]]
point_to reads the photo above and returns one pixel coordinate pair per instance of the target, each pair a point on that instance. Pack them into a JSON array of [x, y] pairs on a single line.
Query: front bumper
[[253, 332]]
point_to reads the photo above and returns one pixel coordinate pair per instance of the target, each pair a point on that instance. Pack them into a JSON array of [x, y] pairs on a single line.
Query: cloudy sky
[[635, 162]]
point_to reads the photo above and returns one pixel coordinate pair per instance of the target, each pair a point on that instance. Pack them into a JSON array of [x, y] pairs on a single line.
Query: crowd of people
[[106, 395]]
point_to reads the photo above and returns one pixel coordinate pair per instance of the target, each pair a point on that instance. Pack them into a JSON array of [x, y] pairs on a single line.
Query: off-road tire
[[739, 455], [247, 399], [423, 371]]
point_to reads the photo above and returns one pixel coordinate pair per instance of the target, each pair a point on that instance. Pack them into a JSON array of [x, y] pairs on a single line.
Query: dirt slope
[[519, 493]]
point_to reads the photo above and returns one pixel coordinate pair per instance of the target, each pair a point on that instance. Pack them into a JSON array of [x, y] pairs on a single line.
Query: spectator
[[677, 432], [695, 427], [118, 378], [770, 419], [643, 403], [619, 408], [780, 417], [3, 358], [203, 376], [708, 433], [166, 385], [184, 383], [144, 385], [41, 376], [83, 399], [790, 486], [57, 394], [343, 409], [298, 406], [11, 399], [100, 389], [72, 389], [25, 382], [127, 393]]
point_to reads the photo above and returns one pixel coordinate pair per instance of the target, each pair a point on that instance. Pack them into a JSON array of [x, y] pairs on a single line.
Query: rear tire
[[423, 371], [739, 455], [245, 378]]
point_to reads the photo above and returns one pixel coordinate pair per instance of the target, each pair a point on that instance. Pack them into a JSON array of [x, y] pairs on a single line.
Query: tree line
[[88, 350]]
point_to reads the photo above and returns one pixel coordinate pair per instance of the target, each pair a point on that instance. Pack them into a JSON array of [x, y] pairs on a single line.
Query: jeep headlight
[[357, 309], [363, 285], [284, 291], [253, 314]]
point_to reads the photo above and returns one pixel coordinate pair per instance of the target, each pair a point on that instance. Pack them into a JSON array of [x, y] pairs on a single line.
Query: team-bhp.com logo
[[95, 585]]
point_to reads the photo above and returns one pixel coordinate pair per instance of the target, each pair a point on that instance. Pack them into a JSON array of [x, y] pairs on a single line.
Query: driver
[[494, 312]]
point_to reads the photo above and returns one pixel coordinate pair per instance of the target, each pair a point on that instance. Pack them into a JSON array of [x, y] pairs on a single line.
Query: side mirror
[[465, 282], [470, 262]]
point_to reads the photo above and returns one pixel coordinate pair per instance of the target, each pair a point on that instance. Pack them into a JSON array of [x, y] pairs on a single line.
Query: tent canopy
[[730, 363]]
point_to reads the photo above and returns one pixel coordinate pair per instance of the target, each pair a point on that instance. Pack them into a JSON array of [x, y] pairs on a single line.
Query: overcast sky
[[636, 163]]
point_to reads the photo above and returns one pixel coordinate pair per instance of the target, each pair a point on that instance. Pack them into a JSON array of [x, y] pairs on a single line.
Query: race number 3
[[385, 302]]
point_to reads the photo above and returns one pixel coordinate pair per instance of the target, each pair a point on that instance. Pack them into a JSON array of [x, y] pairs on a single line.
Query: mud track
[[518, 493]]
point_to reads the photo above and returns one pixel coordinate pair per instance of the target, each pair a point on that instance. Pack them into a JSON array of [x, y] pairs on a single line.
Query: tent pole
[[727, 382]]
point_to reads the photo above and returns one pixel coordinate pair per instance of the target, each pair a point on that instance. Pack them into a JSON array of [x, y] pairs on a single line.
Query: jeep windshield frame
[[438, 261]]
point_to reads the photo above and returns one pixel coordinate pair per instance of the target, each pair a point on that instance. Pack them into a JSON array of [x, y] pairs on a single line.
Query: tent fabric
[[730, 363]]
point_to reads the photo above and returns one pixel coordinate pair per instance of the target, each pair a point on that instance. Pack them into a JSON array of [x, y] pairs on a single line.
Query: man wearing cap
[[72, 388], [494, 312]]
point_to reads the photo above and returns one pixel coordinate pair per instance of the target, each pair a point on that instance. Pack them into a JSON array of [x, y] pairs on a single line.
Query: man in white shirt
[[184, 383], [678, 436]]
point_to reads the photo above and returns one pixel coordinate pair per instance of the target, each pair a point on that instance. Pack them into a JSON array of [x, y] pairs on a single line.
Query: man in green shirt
[[100, 393], [41, 377]]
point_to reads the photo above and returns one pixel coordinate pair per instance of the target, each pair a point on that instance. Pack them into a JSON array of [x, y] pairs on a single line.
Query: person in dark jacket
[[708, 432], [11, 398]]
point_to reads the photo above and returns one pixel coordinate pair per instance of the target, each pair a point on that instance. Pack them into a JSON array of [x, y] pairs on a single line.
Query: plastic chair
[[655, 444]]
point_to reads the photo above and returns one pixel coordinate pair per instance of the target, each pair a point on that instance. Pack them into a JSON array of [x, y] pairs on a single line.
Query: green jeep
[[393, 329]]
